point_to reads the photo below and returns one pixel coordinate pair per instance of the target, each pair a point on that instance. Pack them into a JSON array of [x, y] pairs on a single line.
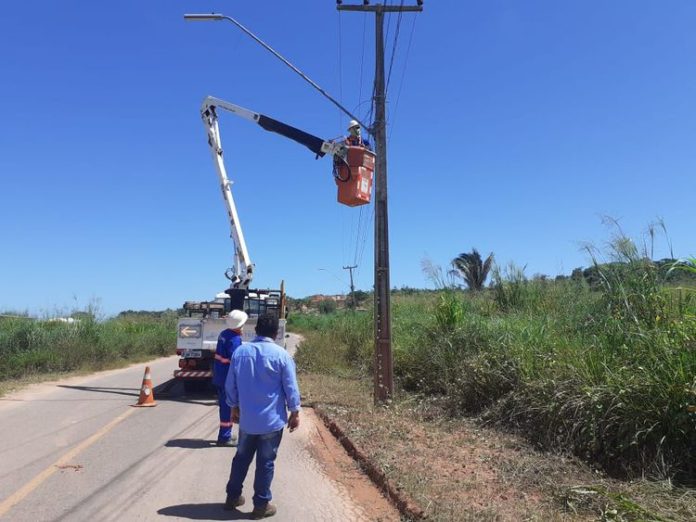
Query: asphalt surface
[[76, 450]]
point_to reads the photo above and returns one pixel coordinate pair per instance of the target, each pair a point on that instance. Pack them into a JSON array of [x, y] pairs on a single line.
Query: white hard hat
[[353, 123], [236, 319]]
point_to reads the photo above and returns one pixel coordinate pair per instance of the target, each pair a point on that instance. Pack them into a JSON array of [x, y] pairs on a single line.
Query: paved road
[[76, 450]]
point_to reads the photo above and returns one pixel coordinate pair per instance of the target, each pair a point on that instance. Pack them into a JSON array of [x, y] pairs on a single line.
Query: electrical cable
[[393, 53], [362, 61], [340, 66], [358, 236], [369, 224], [346, 230], [403, 75]]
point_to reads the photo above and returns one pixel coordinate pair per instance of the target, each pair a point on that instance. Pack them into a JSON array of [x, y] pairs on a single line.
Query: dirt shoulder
[[345, 472], [456, 470]]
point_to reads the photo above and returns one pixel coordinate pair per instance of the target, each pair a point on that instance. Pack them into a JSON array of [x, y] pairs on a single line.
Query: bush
[[327, 307], [31, 346], [339, 343], [607, 373]]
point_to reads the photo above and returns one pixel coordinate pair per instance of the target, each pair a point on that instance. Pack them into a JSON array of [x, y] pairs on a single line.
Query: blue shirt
[[227, 342], [262, 383]]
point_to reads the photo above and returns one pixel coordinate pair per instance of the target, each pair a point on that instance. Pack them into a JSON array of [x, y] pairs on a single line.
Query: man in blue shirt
[[261, 386], [228, 341]]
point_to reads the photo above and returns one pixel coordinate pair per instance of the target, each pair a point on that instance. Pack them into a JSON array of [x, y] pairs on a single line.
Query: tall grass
[[29, 346], [338, 343], [606, 371]]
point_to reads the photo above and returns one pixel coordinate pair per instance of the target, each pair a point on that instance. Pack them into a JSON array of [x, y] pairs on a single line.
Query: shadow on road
[[190, 443], [132, 392], [170, 390], [173, 390], [203, 512]]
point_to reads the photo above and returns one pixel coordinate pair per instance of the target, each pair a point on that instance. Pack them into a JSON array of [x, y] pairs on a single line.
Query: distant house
[[316, 299], [69, 320]]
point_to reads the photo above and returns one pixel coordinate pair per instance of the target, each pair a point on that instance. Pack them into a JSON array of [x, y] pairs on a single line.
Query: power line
[[396, 39], [340, 214], [383, 362], [365, 219], [357, 235], [340, 65], [370, 219], [352, 286], [362, 61], [403, 73]]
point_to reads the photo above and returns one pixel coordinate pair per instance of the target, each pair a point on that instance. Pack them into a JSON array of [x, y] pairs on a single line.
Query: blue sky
[[518, 125]]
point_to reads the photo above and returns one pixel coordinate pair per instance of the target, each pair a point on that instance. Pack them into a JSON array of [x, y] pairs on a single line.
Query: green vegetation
[[327, 307], [338, 344], [29, 346], [605, 369], [473, 269]]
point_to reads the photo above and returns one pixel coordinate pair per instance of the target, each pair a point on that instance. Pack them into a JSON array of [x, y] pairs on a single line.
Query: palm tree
[[472, 268]]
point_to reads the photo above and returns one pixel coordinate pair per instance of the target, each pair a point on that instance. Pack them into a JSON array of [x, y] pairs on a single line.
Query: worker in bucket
[[354, 137], [228, 341]]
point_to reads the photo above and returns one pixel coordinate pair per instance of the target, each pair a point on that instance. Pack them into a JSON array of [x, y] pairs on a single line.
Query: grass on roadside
[[608, 374], [601, 366], [31, 348], [457, 470]]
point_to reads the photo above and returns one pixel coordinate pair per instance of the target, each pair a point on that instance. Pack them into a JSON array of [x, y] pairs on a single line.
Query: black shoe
[[229, 442], [262, 512], [233, 503]]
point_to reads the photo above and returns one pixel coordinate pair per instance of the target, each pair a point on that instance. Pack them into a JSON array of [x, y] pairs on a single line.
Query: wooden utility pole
[[352, 287], [384, 371]]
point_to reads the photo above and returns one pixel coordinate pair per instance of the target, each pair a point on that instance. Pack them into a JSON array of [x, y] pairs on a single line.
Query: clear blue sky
[[518, 125]]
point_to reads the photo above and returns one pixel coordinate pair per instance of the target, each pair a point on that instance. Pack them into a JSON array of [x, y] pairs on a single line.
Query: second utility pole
[[384, 369], [352, 287]]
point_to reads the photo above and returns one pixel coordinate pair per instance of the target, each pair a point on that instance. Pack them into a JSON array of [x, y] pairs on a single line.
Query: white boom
[[243, 268]]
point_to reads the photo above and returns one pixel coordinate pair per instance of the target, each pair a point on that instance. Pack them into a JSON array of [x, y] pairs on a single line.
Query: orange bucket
[[354, 178]]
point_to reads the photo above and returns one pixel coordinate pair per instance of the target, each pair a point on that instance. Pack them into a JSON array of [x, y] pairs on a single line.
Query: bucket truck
[[198, 332]]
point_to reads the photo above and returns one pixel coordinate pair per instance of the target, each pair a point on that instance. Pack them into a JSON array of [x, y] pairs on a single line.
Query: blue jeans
[[266, 449], [225, 432]]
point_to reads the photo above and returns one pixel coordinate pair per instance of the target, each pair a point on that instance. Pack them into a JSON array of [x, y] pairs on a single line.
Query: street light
[[216, 17], [203, 17]]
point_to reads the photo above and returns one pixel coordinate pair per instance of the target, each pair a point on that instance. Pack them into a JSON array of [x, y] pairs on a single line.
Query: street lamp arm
[[218, 17], [203, 17]]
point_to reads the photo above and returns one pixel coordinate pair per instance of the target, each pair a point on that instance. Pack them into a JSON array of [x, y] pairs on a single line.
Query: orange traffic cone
[[147, 396]]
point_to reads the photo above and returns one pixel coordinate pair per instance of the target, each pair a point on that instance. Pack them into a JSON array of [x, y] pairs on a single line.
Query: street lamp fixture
[[212, 17], [217, 17]]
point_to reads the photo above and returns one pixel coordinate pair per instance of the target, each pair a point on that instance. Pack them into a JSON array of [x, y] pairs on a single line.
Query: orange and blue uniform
[[357, 141], [227, 343]]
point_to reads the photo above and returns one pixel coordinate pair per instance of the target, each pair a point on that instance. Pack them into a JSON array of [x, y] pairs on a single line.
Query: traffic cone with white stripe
[[147, 395]]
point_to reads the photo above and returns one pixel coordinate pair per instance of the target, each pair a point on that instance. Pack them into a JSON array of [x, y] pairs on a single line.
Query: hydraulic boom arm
[[243, 269]]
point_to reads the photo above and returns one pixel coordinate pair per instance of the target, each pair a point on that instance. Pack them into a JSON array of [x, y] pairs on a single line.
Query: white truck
[[197, 333]]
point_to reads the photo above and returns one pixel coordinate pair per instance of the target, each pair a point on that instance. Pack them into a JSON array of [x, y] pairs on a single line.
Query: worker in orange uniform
[[228, 341], [354, 137]]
